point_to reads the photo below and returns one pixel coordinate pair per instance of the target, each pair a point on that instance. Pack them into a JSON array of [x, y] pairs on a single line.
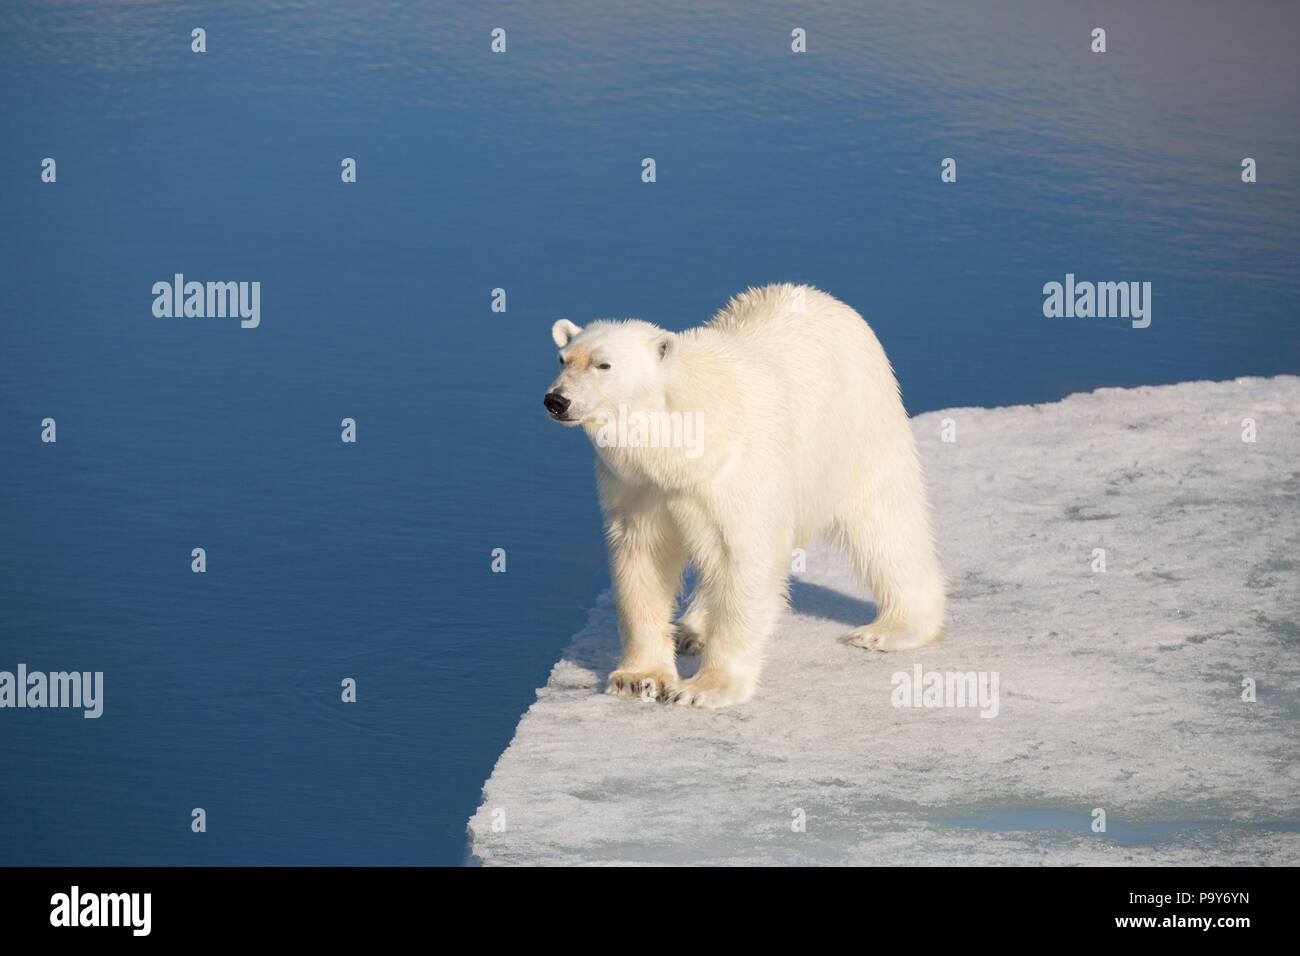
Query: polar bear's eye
[[561, 359], [603, 366]]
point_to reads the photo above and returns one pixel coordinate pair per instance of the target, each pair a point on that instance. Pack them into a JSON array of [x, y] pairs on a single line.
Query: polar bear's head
[[605, 365]]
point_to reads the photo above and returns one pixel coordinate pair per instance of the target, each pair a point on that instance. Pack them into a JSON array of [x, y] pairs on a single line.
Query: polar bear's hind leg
[[891, 546], [692, 627]]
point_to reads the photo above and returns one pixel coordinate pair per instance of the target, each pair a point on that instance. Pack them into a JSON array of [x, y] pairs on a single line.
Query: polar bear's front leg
[[647, 558], [741, 602]]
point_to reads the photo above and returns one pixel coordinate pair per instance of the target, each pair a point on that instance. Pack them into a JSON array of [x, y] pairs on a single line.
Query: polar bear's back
[[809, 375], [809, 336]]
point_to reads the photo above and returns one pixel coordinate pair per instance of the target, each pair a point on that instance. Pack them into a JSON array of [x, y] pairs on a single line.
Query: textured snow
[[1119, 690]]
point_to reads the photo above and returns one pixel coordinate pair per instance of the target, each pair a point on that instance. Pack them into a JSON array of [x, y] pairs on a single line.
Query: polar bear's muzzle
[[557, 405]]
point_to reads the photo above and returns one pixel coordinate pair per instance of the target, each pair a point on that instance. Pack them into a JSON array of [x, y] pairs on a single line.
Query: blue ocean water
[[519, 171]]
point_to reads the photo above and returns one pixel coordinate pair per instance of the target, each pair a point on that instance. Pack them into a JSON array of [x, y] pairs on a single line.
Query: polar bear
[[728, 446]]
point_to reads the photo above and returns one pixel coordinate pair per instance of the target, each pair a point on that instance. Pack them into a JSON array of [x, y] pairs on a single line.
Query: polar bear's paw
[[884, 637], [706, 690], [647, 685], [689, 641]]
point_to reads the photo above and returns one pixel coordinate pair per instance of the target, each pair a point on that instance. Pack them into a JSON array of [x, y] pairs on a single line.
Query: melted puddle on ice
[[1078, 823], [1071, 822]]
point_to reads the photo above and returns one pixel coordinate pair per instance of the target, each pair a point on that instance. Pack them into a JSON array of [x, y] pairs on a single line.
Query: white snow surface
[[1120, 690]]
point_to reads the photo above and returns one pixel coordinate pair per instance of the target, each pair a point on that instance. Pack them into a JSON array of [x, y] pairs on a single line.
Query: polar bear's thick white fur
[[799, 431]]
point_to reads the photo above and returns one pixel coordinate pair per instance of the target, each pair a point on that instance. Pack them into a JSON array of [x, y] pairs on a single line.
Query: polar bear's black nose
[[556, 403]]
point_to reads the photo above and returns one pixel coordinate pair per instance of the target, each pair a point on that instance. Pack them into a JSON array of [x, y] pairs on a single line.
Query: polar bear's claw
[[636, 684]]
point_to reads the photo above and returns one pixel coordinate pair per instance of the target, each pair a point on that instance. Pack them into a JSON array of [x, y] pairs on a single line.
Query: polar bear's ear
[[564, 332], [665, 346]]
